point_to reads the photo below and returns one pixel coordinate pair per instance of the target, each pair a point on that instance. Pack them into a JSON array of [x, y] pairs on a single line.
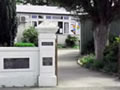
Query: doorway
[[60, 30]]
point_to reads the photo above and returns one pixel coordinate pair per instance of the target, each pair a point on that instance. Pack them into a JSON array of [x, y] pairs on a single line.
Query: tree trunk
[[101, 34], [8, 25], [119, 59]]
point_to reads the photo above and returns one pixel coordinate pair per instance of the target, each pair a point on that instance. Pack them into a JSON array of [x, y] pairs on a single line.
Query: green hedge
[[24, 45]]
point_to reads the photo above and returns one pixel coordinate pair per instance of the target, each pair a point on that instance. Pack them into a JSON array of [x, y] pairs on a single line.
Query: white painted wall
[[19, 77]]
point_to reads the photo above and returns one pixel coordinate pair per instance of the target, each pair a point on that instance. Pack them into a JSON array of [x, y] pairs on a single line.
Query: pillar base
[[47, 81]]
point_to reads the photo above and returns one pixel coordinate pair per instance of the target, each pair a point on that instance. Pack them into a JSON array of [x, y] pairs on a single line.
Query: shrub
[[90, 62], [24, 45], [76, 47], [112, 38], [60, 46], [111, 57], [98, 64], [30, 36], [111, 67], [71, 41], [87, 61]]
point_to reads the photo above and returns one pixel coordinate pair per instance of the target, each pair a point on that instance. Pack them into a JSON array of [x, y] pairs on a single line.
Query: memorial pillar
[[47, 43]]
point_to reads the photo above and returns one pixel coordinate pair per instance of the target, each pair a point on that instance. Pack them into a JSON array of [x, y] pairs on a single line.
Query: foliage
[[76, 47], [24, 44], [111, 56], [109, 63], [19, 1], [109, 8], [71, 41], [98, 64], [60, 46], [87, 61], [30, 36], [8, 23], [112, 38], [117, 39]]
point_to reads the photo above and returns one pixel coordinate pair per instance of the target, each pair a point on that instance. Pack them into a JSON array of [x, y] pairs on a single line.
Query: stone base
[[47, 81]]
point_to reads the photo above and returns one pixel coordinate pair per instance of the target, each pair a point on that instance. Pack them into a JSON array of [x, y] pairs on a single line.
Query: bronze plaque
[[16, 63], [47, 61], [47, 43]]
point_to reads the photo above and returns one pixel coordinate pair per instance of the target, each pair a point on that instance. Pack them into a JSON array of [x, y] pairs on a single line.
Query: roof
[[41, 9]]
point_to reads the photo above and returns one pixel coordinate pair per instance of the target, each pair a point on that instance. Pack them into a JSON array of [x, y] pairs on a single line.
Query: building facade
[[29, 15]]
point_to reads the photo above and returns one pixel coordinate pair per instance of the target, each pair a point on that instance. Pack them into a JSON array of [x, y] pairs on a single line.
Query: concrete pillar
[[47, 38]]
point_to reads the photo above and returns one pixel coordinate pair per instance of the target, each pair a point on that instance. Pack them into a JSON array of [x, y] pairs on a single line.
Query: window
[[57, 17], [60, 30], [34, 16], [48, 17], [40, 17], [66, 17], [66, 27]]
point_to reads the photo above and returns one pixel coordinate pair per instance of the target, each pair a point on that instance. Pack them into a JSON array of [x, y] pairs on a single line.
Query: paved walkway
[[72, 75]]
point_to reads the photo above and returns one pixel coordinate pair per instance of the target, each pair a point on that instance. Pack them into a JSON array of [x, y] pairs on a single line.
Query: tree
[[102, 13], [8, 25]]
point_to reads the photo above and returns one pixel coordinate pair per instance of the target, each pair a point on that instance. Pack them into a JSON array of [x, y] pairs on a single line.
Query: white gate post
[[47, 38]]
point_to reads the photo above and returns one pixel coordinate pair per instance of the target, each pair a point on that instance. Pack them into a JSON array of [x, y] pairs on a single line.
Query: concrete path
[[70, 74]]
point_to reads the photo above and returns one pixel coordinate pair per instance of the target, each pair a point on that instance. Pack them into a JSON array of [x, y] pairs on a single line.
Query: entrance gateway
[[31, 66]]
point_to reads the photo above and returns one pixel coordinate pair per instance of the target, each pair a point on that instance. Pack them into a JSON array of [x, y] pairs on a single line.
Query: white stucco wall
[[19, 77]]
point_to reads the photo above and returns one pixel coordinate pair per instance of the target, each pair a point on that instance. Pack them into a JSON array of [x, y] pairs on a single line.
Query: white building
[[29, 15]]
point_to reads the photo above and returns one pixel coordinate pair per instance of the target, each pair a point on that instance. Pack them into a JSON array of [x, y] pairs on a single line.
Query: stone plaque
[[47, 43], [47, 61], [16, 63]]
